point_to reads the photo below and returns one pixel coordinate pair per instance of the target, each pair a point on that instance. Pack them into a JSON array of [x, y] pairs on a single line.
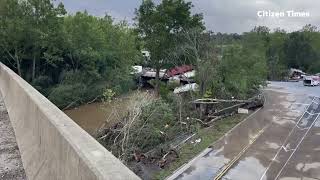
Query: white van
[[311, 80]]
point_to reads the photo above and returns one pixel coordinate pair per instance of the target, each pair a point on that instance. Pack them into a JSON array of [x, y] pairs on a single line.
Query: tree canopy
[[72, 59], [69, 58], [159, 25]]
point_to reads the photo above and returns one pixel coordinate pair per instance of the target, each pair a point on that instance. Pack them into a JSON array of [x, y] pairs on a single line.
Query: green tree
[[45, 32], [277, 68], [13, 32], [27, 30], [159, 25], [241, 72], [198, 48], [298, 51], [71, 59]]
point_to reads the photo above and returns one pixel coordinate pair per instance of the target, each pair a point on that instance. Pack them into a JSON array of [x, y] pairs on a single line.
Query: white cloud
[[232, 16], [241, 15]]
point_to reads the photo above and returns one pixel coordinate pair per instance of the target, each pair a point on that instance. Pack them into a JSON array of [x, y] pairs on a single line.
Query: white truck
[[311, 80]]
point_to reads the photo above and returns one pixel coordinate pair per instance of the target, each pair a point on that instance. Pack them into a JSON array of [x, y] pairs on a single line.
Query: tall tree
[[198, 48], [298, 50], [159, 25], [13, 31], [27, 30]]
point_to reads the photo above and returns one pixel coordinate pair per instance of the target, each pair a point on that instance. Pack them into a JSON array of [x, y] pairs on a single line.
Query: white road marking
[[312, 113], [264, 173], [296, 148], [300, 128], [287, 150]]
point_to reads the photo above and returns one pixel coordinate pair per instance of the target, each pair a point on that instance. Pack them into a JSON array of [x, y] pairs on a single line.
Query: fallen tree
[[149, 122]]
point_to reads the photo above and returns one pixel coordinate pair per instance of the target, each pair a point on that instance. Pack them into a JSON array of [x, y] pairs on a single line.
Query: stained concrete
[[287, 149], [10, 160], [52, 146]]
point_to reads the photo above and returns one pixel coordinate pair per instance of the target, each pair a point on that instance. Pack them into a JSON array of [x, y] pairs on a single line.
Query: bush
[[42, 84], [154, 125], [65, 94]]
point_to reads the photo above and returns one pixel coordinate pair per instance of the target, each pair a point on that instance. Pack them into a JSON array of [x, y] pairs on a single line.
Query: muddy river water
[[90, 117]]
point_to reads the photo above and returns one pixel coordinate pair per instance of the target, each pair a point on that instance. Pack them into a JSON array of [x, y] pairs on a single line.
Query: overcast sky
[[231, 16]]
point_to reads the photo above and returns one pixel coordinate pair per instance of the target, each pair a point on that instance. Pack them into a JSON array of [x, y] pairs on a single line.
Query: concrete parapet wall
[[52, 146]]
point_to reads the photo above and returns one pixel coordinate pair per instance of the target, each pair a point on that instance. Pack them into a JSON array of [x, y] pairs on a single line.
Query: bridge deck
[[10, 161]]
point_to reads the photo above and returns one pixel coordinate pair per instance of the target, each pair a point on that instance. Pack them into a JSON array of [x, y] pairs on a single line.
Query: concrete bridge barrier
[[52, 146]]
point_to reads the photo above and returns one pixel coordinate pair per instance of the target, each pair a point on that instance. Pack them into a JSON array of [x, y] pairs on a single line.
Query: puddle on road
[[206, 167], [304, 167], [272, 145], [252, 166]]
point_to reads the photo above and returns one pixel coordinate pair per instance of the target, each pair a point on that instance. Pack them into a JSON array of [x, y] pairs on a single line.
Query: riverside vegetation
[[78, 58]]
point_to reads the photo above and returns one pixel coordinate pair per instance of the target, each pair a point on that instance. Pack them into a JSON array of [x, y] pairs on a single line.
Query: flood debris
[[243, 111], [150, 135], [212, 110]]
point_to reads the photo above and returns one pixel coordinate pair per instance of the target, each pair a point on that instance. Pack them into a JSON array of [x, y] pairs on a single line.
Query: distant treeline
[[284, 50]]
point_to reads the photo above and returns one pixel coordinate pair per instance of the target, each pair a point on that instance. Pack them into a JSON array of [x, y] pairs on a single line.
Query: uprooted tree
[[148, 123]]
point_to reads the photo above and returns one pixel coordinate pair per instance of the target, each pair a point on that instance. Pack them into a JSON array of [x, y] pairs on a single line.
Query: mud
[[11, 167]]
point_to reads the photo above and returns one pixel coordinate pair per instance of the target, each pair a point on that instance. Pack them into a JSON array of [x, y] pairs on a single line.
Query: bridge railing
[[52, 146]]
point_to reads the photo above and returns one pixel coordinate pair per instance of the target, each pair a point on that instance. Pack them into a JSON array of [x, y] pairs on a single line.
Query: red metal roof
[[179, 70]]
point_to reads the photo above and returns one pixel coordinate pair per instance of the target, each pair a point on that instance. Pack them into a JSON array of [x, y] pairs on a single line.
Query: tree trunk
[[33, 68], [18, 63], [202, 88], [157, 81]]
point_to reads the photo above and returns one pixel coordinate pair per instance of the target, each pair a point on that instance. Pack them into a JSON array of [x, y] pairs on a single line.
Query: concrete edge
[[96, 158]]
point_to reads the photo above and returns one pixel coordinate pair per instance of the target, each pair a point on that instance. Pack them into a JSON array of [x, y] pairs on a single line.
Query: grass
[[208, 137]]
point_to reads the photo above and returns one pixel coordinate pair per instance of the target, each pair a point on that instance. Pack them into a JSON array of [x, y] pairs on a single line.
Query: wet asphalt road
[[280, 141]]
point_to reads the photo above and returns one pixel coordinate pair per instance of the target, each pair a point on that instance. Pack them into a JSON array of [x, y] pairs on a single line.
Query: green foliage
[[59, 53], [298, 49], [158, 125], [147, 124], [165, 89], [108, 94], [241, 70], [159, 25], [64, 94]]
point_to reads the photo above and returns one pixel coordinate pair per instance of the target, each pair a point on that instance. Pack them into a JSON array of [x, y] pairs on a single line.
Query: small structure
[[178, 70], [296, 74], [182, 74], [186, 88]]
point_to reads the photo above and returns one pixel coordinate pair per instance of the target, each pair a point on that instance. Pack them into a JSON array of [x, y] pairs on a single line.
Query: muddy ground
[[11, 167]]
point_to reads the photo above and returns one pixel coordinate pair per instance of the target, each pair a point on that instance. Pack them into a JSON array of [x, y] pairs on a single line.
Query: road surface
[[279, 141]]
